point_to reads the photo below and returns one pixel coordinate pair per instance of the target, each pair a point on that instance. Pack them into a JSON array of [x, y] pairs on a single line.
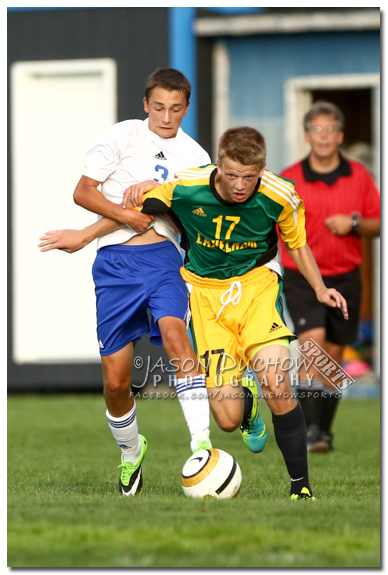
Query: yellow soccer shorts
[[230, 318]]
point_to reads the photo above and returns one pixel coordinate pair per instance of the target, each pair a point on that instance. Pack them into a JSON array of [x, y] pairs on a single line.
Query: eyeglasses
[[318, 129]]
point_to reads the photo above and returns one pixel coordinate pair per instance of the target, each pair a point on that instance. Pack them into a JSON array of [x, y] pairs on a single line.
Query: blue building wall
[[183, 56], [260, 66]]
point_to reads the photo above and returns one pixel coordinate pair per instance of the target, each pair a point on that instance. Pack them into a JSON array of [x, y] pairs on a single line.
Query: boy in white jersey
[[137, 266]]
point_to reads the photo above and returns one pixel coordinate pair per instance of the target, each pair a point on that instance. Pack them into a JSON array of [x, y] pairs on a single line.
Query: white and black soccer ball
[[211, 473]]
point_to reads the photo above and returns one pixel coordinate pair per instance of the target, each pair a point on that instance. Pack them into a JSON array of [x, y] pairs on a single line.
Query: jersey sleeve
[[291, 219], [203, 160], [292, 224], [159, 199], [103, 156]]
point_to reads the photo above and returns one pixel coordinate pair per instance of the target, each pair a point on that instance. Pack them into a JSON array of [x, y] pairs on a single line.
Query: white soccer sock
[[125, 432], [192, 395]]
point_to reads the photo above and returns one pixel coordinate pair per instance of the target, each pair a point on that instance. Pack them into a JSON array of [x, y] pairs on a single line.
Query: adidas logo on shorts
[[199, 212], [274, 327]]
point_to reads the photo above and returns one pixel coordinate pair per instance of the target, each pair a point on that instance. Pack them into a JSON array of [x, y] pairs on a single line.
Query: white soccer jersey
[[129, 153]]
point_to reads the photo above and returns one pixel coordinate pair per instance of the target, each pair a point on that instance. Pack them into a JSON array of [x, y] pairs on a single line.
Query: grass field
[[64, 509]]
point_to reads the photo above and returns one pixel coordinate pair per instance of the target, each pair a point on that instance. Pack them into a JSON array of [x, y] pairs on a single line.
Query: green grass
[[64, 508]]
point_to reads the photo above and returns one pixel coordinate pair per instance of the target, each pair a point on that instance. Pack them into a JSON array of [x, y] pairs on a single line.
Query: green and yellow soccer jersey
[[226, 239]]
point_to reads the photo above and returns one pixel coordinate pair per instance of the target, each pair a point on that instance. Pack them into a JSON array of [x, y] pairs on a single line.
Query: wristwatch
[[355, 222]]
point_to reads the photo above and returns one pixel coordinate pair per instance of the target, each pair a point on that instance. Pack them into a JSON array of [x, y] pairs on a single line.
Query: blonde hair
[[243, 144]]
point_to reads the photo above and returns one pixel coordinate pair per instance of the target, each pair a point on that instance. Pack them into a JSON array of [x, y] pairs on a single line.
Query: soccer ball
[[211, 473]]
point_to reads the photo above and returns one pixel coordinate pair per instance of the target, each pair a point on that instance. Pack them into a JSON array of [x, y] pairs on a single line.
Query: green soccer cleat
[[202, 444], [305, 493], [253, 428], [131, 478]]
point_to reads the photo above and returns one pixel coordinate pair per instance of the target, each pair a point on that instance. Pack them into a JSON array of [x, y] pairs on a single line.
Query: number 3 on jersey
[[161, 173]]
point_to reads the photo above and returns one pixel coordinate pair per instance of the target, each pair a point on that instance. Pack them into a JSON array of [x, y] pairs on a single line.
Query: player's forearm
[[89, 197], [308, 267], [100, 228]]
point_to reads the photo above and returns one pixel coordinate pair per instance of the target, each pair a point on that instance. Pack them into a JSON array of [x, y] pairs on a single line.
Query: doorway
[[358, 96], [58, 107]]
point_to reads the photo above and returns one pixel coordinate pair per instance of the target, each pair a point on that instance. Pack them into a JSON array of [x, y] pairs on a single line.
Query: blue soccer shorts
[[135, 287]]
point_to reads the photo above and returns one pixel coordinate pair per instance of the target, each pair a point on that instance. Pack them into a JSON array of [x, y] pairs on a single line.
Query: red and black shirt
[[349, 188]]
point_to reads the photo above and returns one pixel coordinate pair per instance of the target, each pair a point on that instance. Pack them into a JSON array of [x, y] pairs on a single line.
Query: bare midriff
[[147, 237]]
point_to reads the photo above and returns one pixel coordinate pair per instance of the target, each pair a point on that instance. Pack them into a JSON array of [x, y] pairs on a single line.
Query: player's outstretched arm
[[71, 241], [87, 195], [305, 261]]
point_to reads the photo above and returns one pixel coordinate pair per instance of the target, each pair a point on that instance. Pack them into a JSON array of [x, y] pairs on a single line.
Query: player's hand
[[332, 298], [339, 224], [136, 220], [135, 193], [69, 241]]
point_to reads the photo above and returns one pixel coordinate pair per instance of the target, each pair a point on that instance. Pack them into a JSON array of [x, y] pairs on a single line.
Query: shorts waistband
[[257, 274], [138, 247]]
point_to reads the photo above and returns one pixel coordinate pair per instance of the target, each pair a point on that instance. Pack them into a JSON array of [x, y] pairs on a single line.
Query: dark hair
[[168, 79], [243, 144], [327, 108]]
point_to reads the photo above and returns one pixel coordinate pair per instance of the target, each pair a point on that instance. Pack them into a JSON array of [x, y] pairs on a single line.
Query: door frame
[[298, 100]]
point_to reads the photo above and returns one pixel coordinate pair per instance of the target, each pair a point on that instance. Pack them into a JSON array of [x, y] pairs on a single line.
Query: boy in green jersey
[[228, 214]]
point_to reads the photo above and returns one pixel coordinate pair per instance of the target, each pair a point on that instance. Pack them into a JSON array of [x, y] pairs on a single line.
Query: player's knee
[[115, 384], [281, 404], [229, 425], [227, 422], [175, 342]]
